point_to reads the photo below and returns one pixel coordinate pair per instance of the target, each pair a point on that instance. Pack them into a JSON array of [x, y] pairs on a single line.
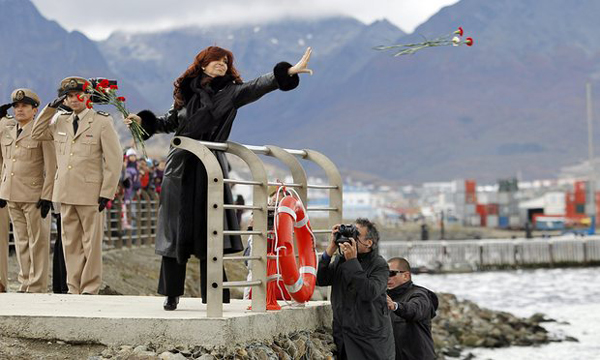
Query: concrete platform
[[131, 320]]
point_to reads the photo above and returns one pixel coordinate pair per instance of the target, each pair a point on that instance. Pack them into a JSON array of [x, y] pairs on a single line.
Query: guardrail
[[496, 253], [215, 232], [142, 215]]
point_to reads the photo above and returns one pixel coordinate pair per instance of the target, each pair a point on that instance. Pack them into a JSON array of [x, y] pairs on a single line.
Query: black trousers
[[172, 279], [59, 269]]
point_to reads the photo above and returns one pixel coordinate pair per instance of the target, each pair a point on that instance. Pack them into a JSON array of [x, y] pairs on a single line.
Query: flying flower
[[446, 40]]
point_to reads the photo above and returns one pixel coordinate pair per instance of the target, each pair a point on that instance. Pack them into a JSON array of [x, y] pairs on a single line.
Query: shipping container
[[492, 221], [580, 189], [504, 198], [470, 209], [460, 185], [482, 210], [470, 186], [492, 209], [514, 221], [503, 222], [474, 220], [487, 198]]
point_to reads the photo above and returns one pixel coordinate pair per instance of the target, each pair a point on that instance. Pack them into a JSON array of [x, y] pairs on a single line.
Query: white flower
[[455, 41]]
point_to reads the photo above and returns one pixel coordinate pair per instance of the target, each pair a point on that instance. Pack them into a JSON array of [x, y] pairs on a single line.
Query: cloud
[[107, 16]]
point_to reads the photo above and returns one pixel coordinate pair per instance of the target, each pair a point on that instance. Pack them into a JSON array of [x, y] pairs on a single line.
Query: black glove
[[2, 203], [102, 203], [126, 183], [4, 109], [44, 206], [65, 108], [57, 102]]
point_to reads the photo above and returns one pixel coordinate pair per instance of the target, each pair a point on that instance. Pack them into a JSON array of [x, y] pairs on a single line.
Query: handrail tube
[[242, 232], [230, 284], [241, 258], [242, 207]]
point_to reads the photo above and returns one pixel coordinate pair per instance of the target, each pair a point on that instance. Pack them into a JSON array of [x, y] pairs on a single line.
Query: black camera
[[94, 82], [345, 232]]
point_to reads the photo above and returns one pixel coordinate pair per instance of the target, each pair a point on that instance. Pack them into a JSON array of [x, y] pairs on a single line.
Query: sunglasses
[[396, 272]]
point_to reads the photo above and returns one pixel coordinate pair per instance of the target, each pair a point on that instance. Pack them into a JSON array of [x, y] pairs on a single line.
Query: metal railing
[[215, 207], [141, 214], [496, 253]]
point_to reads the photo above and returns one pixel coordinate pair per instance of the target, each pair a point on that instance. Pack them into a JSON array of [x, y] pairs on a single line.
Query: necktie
[[75, 124], [19, 131]]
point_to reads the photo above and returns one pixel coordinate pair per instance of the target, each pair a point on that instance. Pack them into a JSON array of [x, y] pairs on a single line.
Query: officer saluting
[[89, 159], [27, 179], [4, 222]]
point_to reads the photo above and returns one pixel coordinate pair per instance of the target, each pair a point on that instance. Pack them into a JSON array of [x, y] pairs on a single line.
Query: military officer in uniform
[[4, 218], [89, 159], [27, 179]]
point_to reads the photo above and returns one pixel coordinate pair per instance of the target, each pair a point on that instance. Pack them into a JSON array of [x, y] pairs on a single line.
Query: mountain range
[[512, 103]]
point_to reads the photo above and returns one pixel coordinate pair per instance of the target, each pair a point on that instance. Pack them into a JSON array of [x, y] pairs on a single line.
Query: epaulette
[[64, 112], [8, 116], [102, 113]]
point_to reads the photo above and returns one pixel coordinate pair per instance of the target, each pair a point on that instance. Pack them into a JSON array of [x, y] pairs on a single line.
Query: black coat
[[361, 321], [412, 321], [208, 115]]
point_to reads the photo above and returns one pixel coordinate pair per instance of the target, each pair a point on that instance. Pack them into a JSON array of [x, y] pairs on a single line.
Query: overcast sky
[[98, 19]]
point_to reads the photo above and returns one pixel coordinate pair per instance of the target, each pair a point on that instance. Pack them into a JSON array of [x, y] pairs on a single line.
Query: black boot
[[171, 303]]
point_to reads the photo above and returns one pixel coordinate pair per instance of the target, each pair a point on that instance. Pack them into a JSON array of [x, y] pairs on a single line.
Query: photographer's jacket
[[412, 321], [361, 321], [89, 162]]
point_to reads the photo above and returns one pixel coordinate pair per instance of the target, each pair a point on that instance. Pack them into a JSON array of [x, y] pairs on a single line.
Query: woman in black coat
[[207, 96]]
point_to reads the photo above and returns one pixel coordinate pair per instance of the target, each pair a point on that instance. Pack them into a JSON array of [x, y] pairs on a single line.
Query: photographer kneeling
[[358, 276]]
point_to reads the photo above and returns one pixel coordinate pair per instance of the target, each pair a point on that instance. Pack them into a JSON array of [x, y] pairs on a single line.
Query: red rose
[[114, 87], [120, 98], [469, 41], [104, 83], [89, 104], [459, 31], [85, 85], [79, 98]]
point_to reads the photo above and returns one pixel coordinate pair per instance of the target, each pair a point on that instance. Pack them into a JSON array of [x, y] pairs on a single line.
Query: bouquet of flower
[[454, 39], [106, 94]]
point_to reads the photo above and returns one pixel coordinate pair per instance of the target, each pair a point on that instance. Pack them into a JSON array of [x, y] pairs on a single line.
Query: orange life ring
[[291, 217]]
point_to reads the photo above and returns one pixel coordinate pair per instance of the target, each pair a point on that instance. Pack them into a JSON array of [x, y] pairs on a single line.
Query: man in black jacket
[[358, 275], [412, 308]]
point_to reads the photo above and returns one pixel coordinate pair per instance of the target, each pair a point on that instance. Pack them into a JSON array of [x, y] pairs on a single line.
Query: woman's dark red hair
[[204, 57]]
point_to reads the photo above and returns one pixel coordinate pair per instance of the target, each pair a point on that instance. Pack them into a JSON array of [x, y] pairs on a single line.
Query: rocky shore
[[459, 326]]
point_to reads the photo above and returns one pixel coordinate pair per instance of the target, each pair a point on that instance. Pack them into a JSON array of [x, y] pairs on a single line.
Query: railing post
[[214, 229], [259, 242], [118, 204], [335, 195], [296, 169]]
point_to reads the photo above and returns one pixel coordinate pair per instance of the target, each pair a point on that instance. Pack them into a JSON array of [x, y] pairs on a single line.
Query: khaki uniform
[[89, 166], [28, 173], [4, 231]]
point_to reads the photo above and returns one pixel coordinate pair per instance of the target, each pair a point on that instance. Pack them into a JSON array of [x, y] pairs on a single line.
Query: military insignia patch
[[19, 95], [103, 113], [72, 84]]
